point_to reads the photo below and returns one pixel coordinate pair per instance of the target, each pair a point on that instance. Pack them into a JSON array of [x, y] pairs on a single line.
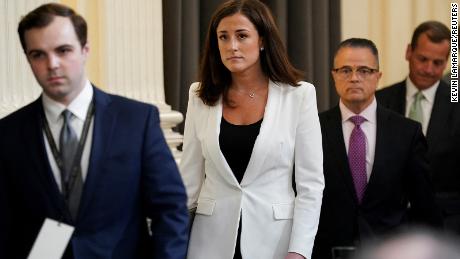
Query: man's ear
[[86, 47], [85, 50]]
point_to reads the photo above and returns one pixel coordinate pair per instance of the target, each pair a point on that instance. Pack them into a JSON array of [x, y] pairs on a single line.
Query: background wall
[[126, 50], [90, 9], [390, 23]]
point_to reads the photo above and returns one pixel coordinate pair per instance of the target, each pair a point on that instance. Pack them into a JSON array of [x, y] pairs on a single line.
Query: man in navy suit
[[428, 55], [120, 174], [374, 159]]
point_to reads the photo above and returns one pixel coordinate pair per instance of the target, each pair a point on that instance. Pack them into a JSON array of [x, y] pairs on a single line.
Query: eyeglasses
[[361, 72]]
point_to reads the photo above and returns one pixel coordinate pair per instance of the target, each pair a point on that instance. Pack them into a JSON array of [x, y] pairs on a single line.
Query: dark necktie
[[357, 157], [68, 145]]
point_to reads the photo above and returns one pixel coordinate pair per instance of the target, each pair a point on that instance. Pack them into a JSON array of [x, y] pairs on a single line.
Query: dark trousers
[[450, 206], [238, 241]]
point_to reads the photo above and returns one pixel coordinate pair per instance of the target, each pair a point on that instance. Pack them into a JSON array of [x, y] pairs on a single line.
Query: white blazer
[[274, 220]]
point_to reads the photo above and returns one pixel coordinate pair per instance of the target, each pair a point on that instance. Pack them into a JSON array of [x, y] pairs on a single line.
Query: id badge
[[51, 241]]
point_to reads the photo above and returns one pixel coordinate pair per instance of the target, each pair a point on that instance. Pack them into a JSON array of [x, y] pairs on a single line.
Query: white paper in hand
[[51, 241]]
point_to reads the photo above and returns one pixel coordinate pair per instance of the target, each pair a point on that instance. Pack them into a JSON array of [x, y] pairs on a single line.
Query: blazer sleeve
[[423, 208], [309, 176], [192, 160], [164, 193]]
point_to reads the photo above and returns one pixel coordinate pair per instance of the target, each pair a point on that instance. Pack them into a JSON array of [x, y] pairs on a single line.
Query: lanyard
[[76, 167]]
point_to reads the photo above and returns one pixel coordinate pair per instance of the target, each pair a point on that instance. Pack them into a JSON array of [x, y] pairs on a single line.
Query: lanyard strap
[[66, 187]]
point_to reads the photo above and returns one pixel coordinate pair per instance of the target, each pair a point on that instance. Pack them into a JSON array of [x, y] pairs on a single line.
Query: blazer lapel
[[380, 152], [212, 143], [104, 120], [439, 115], [398, 101], [260, 150], [334, 134]]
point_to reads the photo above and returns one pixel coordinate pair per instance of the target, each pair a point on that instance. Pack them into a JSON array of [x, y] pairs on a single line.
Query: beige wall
[[90, 9], [390, 23], [94, 12]]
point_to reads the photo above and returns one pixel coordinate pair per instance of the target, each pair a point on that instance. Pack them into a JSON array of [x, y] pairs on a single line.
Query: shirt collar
[[369, 113], [429, 93], [79, 106]]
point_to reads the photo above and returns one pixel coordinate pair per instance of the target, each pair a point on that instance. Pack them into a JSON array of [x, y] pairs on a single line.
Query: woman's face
[[239, 44]]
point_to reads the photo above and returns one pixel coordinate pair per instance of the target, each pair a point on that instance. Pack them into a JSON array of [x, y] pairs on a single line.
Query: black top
[[236, 143]]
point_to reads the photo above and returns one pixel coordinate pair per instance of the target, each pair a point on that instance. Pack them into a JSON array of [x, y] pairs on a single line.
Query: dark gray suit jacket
[[443, 137], [399, 176]]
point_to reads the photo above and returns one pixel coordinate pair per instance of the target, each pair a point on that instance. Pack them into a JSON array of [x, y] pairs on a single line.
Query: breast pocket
[[283, 211], [205, 207], [278, 155]]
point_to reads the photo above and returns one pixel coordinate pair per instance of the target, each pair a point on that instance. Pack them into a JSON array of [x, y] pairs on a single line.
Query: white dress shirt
[[369, 127], [79, 107], [426, 103]]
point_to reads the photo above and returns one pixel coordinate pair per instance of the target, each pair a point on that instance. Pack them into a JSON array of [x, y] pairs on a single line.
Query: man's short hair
[[359, 43], [43, 15], [436, 32]]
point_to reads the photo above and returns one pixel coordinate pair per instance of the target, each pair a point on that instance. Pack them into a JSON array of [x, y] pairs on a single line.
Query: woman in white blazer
[[250, 122]]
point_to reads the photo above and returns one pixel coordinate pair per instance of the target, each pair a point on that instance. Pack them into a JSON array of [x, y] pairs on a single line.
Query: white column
[[133, 58], [17, 83]]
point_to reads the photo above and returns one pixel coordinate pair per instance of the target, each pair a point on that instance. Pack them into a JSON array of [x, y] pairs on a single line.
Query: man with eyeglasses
[[424, 97], [374, 160]]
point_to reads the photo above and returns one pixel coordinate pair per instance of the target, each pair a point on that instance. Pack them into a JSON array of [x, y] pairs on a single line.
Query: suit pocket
[[278, 156], [283, 211], [205, 207]]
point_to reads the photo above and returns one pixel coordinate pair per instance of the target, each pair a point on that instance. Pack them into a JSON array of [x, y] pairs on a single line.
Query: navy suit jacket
[[131, 176], [399, 176]]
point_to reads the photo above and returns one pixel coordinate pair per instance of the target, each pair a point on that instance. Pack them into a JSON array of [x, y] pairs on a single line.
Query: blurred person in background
[[425, 98]]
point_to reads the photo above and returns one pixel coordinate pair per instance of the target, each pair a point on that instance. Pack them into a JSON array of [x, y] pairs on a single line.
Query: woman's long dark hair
[[215, 78]]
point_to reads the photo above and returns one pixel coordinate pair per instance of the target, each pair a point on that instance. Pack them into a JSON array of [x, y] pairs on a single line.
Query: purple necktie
[[357, 156]]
